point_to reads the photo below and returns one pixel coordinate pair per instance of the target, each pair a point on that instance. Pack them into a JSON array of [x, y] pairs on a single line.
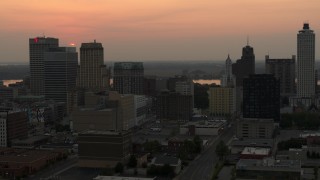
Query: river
[[10, 81]]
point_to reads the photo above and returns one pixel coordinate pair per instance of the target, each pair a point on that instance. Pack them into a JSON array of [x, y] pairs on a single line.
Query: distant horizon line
[[150, 61]]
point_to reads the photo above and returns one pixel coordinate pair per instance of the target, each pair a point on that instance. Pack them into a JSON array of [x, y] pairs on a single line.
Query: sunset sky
[[146, 30]]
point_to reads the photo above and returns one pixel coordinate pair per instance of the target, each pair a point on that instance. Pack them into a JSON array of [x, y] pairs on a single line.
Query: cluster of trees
[[189, 148], [302, 120], [201, 96], [152, 146], [119, 168], [162, 171], [222, 150], [313, 155], [62, 128], [291, 143]]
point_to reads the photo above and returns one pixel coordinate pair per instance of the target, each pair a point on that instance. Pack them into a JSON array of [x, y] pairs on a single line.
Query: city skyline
[[159, 30]]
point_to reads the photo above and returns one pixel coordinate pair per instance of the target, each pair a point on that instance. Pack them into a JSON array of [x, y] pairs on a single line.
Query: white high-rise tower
[[228, 78], [305, 62]]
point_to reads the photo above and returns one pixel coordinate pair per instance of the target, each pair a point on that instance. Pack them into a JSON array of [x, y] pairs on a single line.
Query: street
[[202, 168]]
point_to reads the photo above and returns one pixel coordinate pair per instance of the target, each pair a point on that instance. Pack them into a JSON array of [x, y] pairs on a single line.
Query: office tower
[[13, 125], [222, 101], [261, 97], [244, 66], [92, 73], [284, 71], [174, 106], [60, 72], [37, 47], [227, 79], [305, 62], [128, 77]]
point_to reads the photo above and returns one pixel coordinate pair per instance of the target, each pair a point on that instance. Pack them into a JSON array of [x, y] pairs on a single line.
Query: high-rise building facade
[[128, 77], [305, 62], [60, 72], [227, 79], [284, 71], [92, 73], [222, 101], [261, 97], [37, 47], [244, 66], [174, 106]]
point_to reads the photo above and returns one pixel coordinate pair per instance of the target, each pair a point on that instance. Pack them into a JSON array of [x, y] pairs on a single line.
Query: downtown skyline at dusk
[[159, 30]]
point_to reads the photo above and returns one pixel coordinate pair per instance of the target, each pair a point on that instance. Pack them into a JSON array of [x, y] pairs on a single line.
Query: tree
[[189, 146], [132, 161], [308, 154], [198, 144], [201, 100], [167, 171], [316, 172], [152, 170], [222, 150], [152, 146], [119, 168]]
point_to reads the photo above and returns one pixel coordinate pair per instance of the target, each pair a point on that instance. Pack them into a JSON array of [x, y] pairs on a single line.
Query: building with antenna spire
[[244, 66]]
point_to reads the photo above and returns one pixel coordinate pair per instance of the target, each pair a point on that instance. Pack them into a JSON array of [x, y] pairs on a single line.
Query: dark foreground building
[[174, 106], [261, 97], [101, 149]]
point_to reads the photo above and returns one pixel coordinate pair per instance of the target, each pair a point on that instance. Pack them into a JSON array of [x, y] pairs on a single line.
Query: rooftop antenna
[[247, 40]]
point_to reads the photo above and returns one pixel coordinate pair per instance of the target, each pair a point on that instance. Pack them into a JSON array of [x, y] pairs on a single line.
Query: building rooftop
[[257, 119], [25, 156], [91, 45], [269, 164], [163, 159], [120, 178], [99, 132], [209, 123], [310, 133], [30, 140], [253, 143], [255, 151]]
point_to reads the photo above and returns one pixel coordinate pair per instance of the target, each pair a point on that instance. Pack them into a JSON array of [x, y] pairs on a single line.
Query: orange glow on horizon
[[134, 27]]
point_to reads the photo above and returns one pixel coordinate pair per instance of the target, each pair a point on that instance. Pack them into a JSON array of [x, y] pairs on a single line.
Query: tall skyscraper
[[92, 73], [37, 47], [60, 72], [227, 79], [261, 97], [284, 71], [305, 62], [244, 66], [128, 77]]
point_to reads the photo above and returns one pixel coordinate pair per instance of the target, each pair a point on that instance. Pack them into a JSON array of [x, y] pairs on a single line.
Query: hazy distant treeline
[[14, 71], [200, 69]]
